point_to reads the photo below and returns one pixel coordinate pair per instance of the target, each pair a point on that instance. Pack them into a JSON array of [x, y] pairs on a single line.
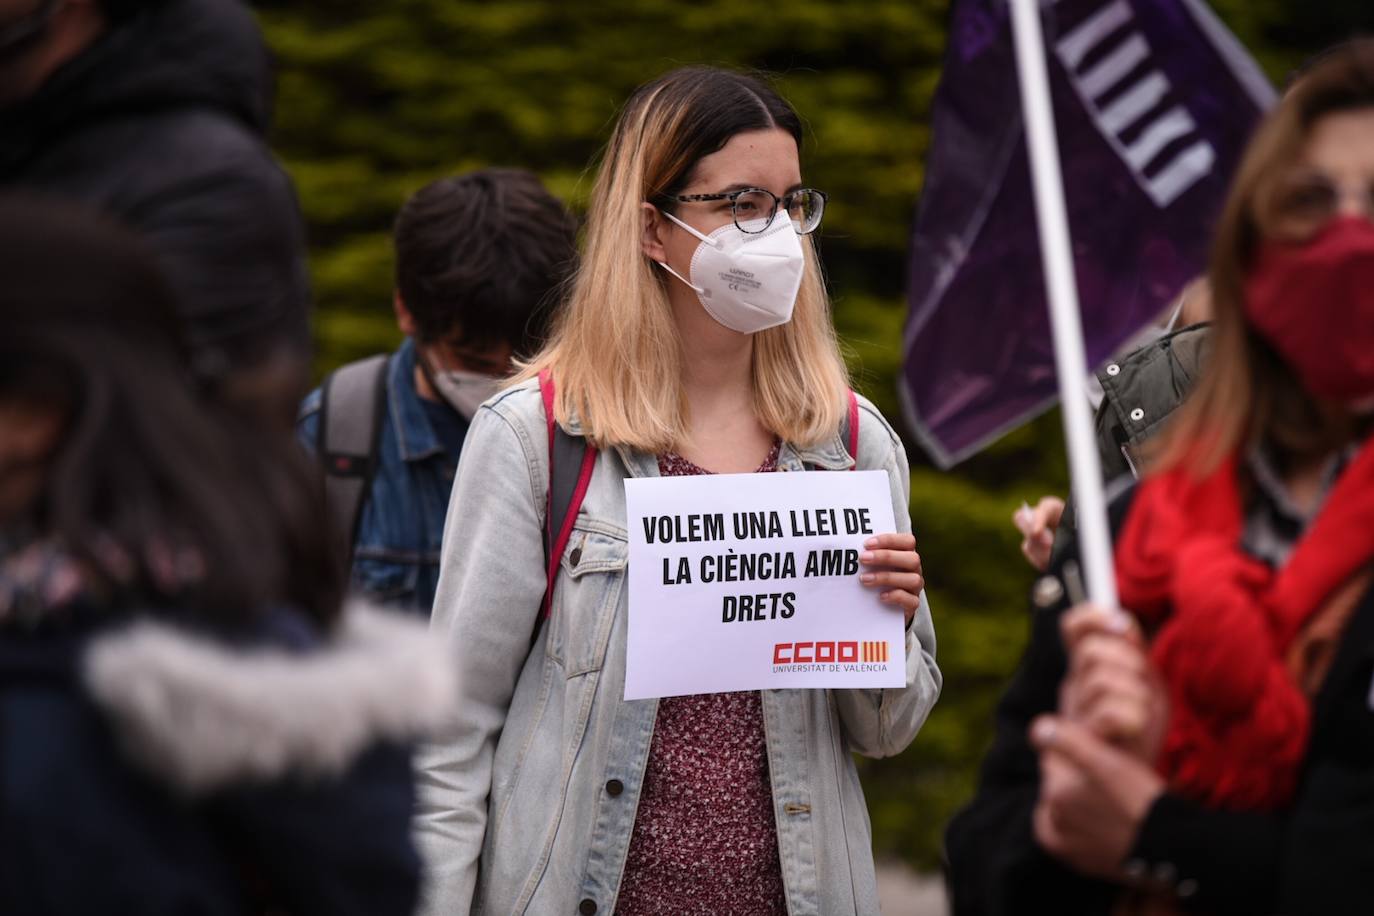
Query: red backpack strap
[[546, 394], [854, 428], [567, 488]]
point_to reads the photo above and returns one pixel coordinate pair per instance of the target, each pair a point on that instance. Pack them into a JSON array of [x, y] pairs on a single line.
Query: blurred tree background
[[375, 99]]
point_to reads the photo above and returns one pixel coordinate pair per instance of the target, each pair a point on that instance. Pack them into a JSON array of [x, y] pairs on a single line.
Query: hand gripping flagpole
[[1071, 362]]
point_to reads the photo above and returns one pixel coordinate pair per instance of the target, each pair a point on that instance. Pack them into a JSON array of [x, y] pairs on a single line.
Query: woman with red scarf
[[1214, 752]]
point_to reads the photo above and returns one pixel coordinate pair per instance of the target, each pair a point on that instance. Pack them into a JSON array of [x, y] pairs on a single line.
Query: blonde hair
[[615, 352]]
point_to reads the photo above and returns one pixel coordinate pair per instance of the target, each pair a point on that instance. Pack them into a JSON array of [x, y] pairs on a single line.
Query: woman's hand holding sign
[[892, 563]]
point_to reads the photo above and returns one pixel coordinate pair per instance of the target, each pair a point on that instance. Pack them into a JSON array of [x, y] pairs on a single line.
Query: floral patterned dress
[[705, 840]]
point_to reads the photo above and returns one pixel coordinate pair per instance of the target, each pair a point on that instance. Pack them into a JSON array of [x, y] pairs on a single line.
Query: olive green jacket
[[1140, 391]]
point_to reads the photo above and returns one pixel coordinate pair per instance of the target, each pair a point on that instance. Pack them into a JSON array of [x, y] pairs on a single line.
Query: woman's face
[[29, 434], [1333, 177], [1310, 289], [764, 159]]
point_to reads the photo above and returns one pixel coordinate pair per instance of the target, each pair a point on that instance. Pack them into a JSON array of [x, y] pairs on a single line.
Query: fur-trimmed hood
[[202, 715]]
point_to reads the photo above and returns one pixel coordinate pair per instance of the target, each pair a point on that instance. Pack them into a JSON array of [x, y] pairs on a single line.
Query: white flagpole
[[1071, 363]]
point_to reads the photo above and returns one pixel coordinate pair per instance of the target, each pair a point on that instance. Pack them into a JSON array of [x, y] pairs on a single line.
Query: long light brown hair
[[615, 353], [1246, 393]]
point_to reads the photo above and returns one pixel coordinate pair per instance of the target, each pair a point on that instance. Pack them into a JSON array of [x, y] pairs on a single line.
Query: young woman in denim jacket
[[553, 794]]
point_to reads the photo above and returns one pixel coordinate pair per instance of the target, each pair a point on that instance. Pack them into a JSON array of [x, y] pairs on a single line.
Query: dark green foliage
[[375, 99]]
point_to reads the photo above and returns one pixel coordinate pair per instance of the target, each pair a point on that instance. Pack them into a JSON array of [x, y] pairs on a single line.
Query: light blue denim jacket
[[516, 814]]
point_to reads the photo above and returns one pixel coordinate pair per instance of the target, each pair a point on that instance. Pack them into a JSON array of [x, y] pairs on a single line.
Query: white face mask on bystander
[[464, 391]]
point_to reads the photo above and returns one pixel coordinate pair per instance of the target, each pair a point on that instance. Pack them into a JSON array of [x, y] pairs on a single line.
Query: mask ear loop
[[714, 243], [705, 239], [704, 293]]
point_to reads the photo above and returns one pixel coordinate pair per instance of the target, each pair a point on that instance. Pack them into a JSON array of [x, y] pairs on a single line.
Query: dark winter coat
[[149, 769], [162, 123]]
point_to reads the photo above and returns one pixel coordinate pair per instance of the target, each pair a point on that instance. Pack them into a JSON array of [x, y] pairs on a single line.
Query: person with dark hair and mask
[[155, 112], [189, 721], [480, 259]]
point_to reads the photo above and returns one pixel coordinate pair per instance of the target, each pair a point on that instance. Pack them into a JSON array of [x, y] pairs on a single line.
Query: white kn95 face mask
[[747, 281]]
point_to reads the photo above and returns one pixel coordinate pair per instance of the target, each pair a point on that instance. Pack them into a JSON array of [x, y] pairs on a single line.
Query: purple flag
[[1154, 101]]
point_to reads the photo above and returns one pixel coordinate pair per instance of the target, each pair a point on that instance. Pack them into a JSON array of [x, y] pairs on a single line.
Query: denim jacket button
[[587, 907], [575, 556], [614, 788]]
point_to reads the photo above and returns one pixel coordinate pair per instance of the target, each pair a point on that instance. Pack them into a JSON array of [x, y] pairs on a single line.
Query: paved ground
[[904, 892]]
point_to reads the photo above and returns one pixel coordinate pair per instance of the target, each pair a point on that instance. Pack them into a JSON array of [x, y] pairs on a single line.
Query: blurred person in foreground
[[1218, 756], [480, 259], [156, 112], [554, 793], [189, 723]]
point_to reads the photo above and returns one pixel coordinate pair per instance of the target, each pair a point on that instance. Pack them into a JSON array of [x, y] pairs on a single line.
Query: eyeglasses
[[804, 207], [1303, 204]]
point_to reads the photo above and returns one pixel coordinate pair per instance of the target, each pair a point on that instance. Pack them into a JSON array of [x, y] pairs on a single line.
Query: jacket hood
[[202, 715], [165, 54]]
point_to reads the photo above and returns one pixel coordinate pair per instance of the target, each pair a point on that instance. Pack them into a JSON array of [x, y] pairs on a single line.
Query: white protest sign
[[751, 582]]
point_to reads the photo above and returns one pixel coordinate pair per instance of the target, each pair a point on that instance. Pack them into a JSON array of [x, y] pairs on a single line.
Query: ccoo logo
[[801, 653]]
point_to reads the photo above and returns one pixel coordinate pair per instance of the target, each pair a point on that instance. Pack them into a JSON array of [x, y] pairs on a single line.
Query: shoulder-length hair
[[167, 497], [1246, 392], [614, 352]]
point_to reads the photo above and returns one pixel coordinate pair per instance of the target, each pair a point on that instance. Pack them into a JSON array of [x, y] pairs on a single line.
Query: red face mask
[[1314, 303]]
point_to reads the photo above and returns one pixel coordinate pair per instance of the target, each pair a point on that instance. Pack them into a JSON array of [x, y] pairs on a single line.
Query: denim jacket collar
[[414, 434], [829, 455]]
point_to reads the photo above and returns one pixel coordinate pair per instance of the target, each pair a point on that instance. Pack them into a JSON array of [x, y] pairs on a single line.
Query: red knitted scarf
[[1222, 620]]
